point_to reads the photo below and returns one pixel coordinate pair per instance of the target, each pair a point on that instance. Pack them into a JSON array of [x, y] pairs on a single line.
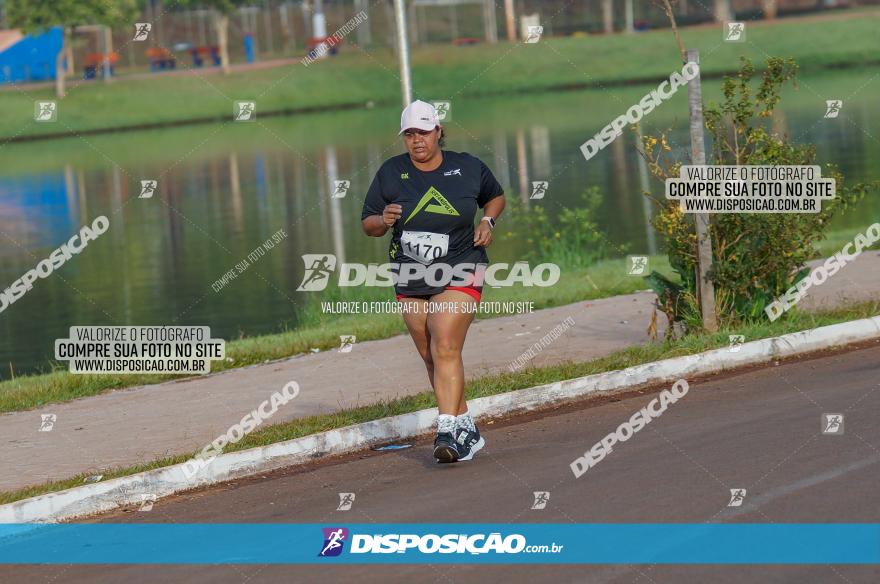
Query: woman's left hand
[[483, 235]]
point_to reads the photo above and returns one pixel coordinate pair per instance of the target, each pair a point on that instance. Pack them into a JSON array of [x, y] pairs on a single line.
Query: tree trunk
[[364, 36], [607, 17], [158, 11], [59, 65], [510, 20], [221, 26], [630, 16], [769, 8], [723, 13]]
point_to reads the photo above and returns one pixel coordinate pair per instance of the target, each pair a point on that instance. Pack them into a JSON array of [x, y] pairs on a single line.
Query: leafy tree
[[36, 16]]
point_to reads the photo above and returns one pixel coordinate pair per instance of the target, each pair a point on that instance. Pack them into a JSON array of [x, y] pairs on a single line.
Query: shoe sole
[[445, 454], [474, 449]]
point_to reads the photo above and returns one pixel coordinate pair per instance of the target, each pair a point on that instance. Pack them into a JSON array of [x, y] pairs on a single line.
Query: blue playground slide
[[32, 58]]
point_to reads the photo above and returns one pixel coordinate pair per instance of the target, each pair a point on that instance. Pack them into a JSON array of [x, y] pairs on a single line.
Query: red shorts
[[470, 290]]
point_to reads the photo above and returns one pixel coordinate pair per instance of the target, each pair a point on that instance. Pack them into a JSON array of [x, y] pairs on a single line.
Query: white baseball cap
[[420, 115]]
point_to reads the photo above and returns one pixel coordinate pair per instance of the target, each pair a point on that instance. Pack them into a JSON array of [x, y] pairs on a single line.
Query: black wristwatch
[[491, 221]]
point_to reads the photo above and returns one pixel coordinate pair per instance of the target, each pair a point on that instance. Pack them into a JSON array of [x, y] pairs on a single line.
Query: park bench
[[199, 54], [313, 43], [465, 41], [95, 62], [161, 58]]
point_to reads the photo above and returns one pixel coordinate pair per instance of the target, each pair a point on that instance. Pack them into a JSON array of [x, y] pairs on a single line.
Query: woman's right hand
[[391, 214]]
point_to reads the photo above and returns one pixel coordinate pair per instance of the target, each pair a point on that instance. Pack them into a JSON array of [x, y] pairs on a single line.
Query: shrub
[[756, 256], [571, 240]]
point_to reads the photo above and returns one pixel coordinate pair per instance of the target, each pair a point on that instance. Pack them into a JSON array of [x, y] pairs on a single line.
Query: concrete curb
[[114, 493]]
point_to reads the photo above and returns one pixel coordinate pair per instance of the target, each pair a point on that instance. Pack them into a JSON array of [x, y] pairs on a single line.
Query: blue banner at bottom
[[479, 543]]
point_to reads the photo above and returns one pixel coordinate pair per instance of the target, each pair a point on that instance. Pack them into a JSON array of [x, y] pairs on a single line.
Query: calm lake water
[[223, 189]]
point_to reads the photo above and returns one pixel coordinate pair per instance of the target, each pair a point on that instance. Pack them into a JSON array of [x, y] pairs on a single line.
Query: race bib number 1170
[[424, 246]]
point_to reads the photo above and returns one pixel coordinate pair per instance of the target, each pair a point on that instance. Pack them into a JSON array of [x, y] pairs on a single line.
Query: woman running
[[429, 197]]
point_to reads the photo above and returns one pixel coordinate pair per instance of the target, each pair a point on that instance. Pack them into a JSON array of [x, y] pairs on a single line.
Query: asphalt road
[[757, 429]]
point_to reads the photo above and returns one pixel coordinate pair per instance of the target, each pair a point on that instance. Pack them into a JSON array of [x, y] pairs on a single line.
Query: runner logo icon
[[147, 500], [832, 424], [346, 500], [444, 108], [735, 342], [245, 111], [334, 541], [47, 422], [541, 499], [737, 496], [833, 107], [341, 188], [318, 269], [142, 31], [346, 343], [534, 34], [539, 189], [45, 111], [637, 265], [148, 188], [736, 32]]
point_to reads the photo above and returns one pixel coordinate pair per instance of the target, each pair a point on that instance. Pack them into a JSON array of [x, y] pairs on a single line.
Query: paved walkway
[[140, 424]]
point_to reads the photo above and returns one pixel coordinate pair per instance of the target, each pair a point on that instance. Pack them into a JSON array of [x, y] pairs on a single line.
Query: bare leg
[[447, 331], [415, 316]]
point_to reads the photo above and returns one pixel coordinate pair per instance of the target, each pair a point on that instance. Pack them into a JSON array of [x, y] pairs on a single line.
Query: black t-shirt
[[442, 201]]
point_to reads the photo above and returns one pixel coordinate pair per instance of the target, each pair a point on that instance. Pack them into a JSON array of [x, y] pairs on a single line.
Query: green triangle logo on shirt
[[438, 204]]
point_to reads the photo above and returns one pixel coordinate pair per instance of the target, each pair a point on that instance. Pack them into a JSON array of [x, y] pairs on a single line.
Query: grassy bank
[[442, 72], [490, 385]]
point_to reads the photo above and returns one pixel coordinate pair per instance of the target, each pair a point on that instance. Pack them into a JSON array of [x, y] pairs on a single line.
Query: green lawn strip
[[442, 72], [490, 385], [836, 240]]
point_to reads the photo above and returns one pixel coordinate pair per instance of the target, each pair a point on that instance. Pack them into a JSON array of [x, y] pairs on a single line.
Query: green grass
[[835, 240], [443, 72], [489, 385]]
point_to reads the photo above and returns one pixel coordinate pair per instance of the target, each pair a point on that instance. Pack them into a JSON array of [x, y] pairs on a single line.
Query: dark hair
[[442, 141]]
